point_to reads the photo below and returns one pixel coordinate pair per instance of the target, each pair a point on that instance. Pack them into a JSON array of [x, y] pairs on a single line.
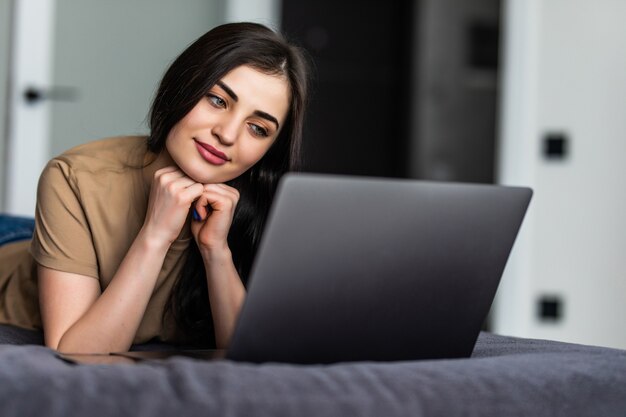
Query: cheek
[[172, 135], [184, 127], [170, 142]]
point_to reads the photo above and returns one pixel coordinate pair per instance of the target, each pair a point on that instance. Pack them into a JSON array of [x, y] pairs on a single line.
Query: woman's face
[[231, 128]]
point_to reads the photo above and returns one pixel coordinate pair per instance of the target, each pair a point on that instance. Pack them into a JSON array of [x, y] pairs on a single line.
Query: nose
[[226, 130]]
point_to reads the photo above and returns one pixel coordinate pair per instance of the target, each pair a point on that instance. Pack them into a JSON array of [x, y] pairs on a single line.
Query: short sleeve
[[62, 239]]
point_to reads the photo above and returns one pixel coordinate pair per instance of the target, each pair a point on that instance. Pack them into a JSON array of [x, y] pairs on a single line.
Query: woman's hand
[[215, 209], [171, 195], [213, 216]]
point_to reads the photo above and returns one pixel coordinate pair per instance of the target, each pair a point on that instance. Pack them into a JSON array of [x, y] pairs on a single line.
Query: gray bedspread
[[505, 377]]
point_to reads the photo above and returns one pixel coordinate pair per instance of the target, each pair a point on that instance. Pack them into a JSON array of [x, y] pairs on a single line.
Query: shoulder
[[96, 161], [108, 153], [101, 157]]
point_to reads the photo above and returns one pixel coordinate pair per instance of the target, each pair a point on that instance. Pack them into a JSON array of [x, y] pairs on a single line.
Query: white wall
[[565, 72], [266, 12], [113, 53]]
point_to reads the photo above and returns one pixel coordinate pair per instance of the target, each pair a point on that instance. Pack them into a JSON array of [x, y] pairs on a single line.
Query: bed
[[505, 376]]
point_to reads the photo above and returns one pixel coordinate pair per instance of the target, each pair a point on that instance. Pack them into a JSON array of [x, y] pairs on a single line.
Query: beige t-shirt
[[91, 203]]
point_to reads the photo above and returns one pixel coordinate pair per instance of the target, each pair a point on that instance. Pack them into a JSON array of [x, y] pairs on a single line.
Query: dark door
[[358, 114]]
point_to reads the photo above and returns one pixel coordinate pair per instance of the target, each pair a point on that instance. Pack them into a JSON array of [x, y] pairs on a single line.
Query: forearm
[[112, 321], [226, 294]]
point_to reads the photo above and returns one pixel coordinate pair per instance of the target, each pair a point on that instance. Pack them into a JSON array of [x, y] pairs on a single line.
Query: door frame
[[28, 123]]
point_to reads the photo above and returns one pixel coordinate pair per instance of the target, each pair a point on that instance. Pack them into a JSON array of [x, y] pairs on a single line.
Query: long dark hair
[[187, 81]]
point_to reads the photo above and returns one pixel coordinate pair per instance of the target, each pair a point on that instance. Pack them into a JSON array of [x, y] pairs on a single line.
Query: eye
[[258, 131], [217, 101]]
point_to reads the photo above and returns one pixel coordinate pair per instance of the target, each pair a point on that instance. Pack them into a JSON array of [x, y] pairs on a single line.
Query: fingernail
[[195, 215]]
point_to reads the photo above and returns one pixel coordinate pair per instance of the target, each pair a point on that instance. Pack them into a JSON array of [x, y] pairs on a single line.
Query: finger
[[176, 181], [164, 177], [191, 192], [168, 168], [214, 199], [220, 199], [202, 207], [182, 183], [223, 189], [165, 170], [230, 189]]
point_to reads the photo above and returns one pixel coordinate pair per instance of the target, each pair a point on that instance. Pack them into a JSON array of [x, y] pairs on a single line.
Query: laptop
[[374, 269]]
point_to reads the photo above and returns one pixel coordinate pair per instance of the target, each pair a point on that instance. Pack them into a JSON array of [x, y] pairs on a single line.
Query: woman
[[137, 238]]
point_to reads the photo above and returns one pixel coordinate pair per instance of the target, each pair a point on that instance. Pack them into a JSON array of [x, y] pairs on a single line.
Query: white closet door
[[564, 134]]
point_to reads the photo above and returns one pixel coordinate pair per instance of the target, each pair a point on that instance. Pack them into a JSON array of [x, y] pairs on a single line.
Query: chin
[[204, 178]]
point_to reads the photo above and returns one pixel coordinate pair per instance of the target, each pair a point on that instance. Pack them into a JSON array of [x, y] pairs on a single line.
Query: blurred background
[[517, 92]]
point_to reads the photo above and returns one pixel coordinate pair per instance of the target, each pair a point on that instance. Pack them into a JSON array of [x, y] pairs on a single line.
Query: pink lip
[[210, 154]]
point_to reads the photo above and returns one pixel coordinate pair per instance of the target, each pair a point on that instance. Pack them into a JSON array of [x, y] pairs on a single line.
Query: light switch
[[550, 308], [555, 146]]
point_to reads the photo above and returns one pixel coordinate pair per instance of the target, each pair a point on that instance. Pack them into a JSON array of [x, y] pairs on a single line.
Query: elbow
[[66, 345], [52, 342], [62, 346], [60, 343]]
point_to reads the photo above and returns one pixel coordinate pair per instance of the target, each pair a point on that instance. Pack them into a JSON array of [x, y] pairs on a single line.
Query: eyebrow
[[228, 90], [259, 113], [267, 116]]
